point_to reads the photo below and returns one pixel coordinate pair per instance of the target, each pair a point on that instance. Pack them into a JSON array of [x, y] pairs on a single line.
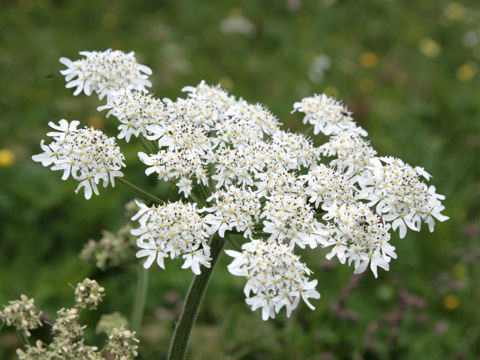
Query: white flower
[[105, 72], [135, 110], [326, 186], [353, 153], [298, 147], [181, 136], [236, 133], [179, 165], [206, 104], [359, 236], [257, 116], [399, 195], [86, 154], [289, 219], [278, 181], [268, 155], [276, 277], [172, 230], [234, 208], [327, 115], [234, 167]]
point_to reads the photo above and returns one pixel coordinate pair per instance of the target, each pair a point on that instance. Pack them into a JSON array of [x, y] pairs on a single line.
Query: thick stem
[[179, 342], [140, 298], [140, 191]]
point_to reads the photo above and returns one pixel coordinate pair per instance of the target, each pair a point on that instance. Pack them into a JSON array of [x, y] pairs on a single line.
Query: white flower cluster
[[172, 230], [86, 154], [400, 197], [289, 219], [105, 72], [181, 165], [298, 147], [233, 209], [247, 176], [276, 277], [216, 100], [328, 186], [135, 110], [353, 153], [257, 116], [360, 236], [279, 181], [328, 115]]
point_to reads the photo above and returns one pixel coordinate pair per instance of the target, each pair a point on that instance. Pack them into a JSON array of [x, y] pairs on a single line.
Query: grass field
[[408, 70]]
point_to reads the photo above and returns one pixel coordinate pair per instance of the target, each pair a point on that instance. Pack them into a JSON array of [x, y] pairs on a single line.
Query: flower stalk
[[140, 298], [140, 191], [196, 292]]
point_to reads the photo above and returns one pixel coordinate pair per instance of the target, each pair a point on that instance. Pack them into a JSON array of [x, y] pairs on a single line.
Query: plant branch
[[140, 191], [196, 292], [140, 298]]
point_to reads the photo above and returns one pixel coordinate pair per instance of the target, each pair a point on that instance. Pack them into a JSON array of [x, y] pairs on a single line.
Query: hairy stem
[[140, 298], [140, 191], [179, 342]]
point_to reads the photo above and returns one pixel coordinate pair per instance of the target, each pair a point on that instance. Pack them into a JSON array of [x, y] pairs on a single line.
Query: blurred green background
[[409, 70]]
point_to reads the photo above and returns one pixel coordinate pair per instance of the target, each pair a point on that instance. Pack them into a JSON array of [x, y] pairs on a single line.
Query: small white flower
[[206, 104], [86, 154], [327, 186], [135, 110], [278, 181], [179, 165], [353, 154], [359, 236], [234, 208], [399, 195], [276, 277], [290, 220], [105, 72], [327, 115], [233, 167], [172, 230], [298, 147], [257, 116]]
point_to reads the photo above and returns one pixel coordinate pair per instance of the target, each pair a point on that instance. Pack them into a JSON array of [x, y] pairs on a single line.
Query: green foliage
[[399, 65]]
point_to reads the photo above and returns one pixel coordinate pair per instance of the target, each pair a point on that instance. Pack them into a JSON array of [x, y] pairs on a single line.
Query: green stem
[[196, 199], [234, 244], [204, 193], [146, 146], [140, 191], [179, 342], [24, 337], [140, 298]]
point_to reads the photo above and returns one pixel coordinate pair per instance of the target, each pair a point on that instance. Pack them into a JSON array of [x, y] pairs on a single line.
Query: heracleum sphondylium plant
[[67, 333], [238, 172]]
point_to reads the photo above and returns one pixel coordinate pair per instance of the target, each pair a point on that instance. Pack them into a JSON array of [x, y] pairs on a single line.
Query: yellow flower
[[429, 47], [7, 157], [467, 71], [451, 302], [368, 60]]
